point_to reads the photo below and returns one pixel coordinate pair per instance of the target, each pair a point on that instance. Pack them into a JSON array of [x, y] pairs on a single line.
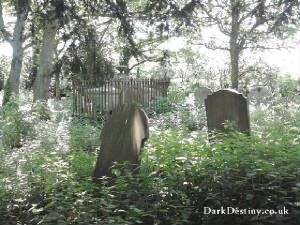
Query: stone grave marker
[[227, 105], [123, 137], [201, 94], [257, 94]]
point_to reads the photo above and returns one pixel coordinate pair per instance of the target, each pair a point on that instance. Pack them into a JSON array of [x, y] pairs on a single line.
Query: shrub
[[40, 110], [7, 93], [160, 106], [177, 112], [83, 163], [84, 135], [84, 142], [180, 174], [237, 171], [13, 126]]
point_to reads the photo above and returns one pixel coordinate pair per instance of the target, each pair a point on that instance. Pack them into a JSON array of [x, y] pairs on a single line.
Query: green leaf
[[116, 172], [48, 187], [294, 129], [37, 210], [249, 197]]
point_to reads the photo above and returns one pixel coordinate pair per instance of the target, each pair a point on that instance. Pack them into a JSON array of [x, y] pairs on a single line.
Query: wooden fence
[[91, 98]]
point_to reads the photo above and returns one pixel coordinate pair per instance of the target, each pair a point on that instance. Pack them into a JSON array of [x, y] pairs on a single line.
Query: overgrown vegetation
[[84, 141], [13, 126], [48, 156], [177, 111], [7, 93], [47, 177]]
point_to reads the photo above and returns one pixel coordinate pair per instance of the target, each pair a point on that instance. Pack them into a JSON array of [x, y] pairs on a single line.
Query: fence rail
[[91, 98]]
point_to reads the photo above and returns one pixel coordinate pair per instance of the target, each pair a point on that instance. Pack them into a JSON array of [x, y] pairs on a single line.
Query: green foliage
[[160, 106], [40, 110], [180, 174], [84, 141], [1, 83], [281, 110], [177, 111], [108, 69], [13, 126], [179, 177], [288, 92], [83, 163], [164, 105], [84, 135], [7, 93], [239, 171], [4, 65]]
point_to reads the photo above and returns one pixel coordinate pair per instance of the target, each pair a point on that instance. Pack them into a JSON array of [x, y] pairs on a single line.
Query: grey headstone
[[227, 105], [201, 94], [123, 137], [258, 93]]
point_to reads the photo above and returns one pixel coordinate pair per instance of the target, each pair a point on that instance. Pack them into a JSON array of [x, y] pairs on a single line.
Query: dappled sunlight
[[41, 158], [221, 104], [51, 162]]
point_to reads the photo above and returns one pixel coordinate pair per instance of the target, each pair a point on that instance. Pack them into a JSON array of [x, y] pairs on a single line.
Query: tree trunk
[[35, 58], [91, 55], [1, 83], [234, 61], [57, 86], [42, 81], [234, 45], [17, 46], [16, 67], [57, 72]]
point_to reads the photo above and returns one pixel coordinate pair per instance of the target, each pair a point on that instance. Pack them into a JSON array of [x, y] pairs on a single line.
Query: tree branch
[[267, 48], [104, 32], [27, 46], [7, 36], [153, 59], [216, 19], [211, 47]]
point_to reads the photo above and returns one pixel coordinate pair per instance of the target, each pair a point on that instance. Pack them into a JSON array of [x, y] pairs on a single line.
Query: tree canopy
[[99, 37]]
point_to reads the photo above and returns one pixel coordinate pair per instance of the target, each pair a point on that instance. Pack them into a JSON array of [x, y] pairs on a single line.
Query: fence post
[[89, 97]]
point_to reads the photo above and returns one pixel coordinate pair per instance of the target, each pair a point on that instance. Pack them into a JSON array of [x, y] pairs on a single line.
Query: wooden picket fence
[[91, 98]]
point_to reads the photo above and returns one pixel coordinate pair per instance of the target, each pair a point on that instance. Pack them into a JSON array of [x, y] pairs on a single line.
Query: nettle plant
[[235, 170], [84, 143], [13, 126], [84, 135]]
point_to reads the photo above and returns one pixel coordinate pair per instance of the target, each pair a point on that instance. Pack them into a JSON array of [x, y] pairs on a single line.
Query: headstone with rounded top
[[123, 137], [201, 94], [227, 105]]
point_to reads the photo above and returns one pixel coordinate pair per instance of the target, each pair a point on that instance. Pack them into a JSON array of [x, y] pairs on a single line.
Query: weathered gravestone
[[257, 94], [201, 94], [227, 105], [123, 137]]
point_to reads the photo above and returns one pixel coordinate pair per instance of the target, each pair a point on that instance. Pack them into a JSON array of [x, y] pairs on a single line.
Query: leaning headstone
[[227, 105], [201, 94], [122, 139]]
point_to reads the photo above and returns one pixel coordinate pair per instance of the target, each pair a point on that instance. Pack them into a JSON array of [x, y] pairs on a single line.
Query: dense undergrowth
[[48, 159]]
